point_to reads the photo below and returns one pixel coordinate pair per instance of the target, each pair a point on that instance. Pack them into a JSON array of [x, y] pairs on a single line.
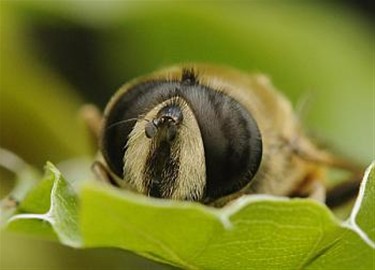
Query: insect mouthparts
[[164, 126]]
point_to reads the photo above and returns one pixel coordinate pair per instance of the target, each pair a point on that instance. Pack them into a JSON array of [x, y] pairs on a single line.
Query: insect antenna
[[121, 122], [125, 121]]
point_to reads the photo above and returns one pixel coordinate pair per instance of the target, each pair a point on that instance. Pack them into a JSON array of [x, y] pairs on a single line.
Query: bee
[[210, 134]]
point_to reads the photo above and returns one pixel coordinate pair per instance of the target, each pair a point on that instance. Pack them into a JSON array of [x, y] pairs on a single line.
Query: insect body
[[209, 134]]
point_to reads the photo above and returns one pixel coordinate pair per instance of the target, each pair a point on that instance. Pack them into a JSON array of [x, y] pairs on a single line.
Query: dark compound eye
[[231, 138], [232, 143]]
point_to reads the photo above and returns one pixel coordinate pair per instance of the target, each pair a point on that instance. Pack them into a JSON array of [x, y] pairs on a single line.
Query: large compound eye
[[232, 143], [230, 136]]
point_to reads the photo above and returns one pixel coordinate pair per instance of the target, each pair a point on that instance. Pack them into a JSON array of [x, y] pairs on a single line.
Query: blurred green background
[[57, 55]]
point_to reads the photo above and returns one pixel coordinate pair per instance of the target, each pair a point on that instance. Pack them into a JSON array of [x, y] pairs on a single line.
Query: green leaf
[[51, 210], [363, 215], [360, 223], [253, 232], [256, 232]]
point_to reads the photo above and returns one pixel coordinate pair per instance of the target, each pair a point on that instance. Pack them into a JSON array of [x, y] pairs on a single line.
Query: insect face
[[190, 142]]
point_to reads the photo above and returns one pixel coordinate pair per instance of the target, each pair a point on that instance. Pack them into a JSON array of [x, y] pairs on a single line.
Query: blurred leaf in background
[[38, 110], [57, 55]]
